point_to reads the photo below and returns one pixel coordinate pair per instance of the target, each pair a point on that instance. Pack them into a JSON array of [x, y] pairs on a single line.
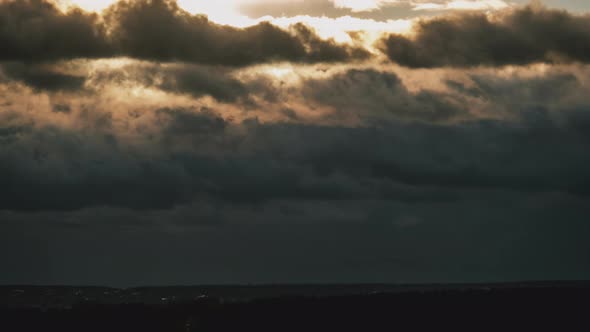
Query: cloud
[[141, 29], [92, 78], [327, 8], [361, 5], [500, 237], [460, 5], [522, 36], [373, 5], [373, 96], [179, 155], [477, 190], [341, 134], [43, 79], [194, 141], [193, 80], [37, 31], [380, 10]]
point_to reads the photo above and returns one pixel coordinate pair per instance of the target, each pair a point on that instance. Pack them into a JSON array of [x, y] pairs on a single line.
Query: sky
[[162, 142]]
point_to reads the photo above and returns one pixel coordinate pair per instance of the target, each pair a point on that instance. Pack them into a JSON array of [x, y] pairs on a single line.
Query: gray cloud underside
[[364, 94], [196, 81], [523, 36], [402, 155], [35, 30], [40, 78], [483, 181]]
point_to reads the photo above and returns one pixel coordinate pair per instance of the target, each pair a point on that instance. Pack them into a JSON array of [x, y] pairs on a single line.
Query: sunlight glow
[[280, 72], [463, 5], [88, 5], [339, 28], [362, 5], [219, 11], [227, 12]]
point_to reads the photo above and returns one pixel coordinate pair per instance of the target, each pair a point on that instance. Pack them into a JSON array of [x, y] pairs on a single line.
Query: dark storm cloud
[[195, 153], [100, 174], [486, 154], [374, 96], [406, 197], [182, 79], [517, 94], [62, 108], [196, 81], [39, 78], [183, 122], [415, 176], [35, 30], [526, 35]]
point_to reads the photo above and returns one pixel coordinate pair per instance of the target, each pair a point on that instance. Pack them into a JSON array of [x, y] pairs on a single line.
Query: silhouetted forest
[[526, 309]]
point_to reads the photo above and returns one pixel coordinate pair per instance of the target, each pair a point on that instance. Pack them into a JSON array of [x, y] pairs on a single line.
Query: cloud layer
[[159, 30], [36, 30], [457, 151], [523, 36], [404, 146]]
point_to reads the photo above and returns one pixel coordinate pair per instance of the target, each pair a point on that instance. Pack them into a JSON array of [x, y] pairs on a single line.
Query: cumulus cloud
[[522, 36], [141, 28], [36, 30]]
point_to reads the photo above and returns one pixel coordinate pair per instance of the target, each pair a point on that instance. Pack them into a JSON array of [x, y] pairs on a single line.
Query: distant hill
[[547, 306], [67, 296]]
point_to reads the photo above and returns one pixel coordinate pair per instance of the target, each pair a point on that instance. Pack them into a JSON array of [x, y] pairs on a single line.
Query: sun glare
[[219, 11], [88, 5], [227, 12], [280, 72]]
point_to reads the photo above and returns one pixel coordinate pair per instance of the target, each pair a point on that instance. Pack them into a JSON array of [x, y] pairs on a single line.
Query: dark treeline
[[556, 309]]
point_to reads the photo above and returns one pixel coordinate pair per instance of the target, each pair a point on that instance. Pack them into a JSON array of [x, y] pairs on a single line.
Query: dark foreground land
[[507, 307]]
